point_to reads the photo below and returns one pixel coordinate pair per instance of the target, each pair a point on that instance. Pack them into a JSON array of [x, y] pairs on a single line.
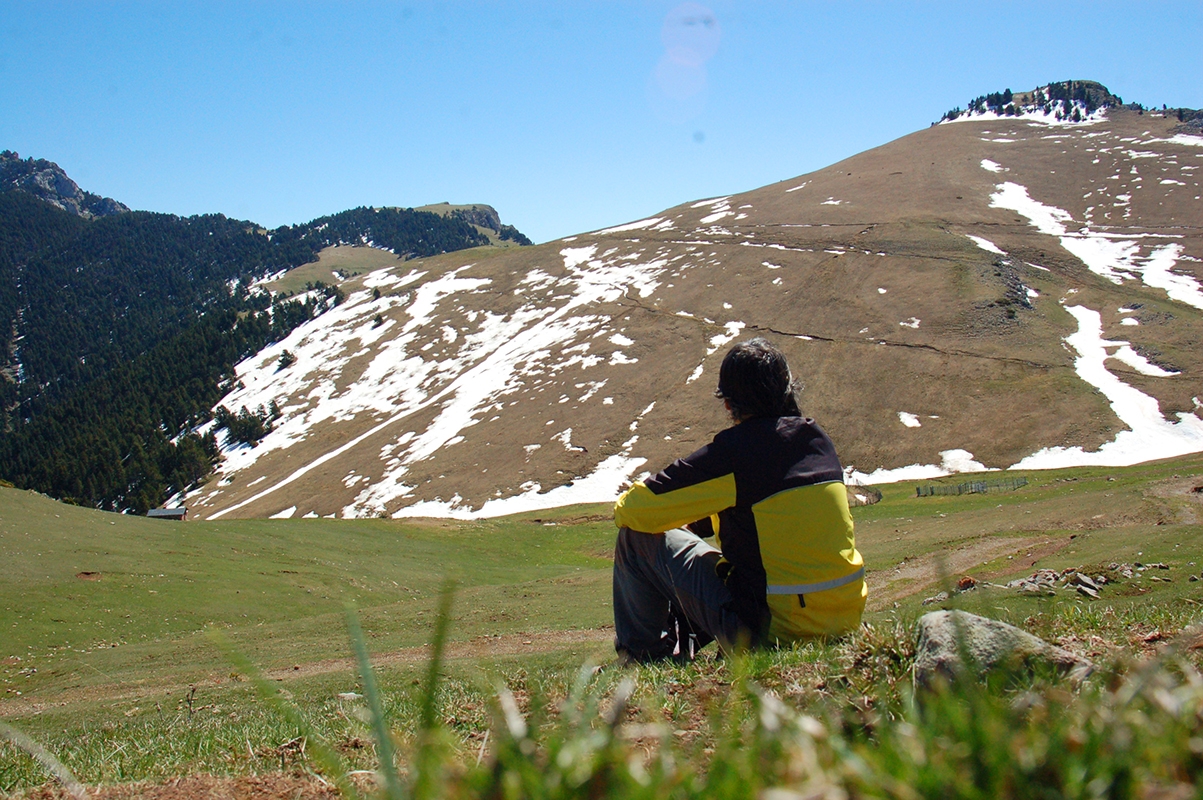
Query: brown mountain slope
[[554, 374]]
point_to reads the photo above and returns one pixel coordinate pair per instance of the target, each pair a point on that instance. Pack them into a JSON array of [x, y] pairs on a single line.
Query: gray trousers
[[668, 600]]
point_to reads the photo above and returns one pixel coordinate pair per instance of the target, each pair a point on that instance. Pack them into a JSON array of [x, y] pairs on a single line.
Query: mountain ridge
[[1000, 290], [121, 329], [934, 293]]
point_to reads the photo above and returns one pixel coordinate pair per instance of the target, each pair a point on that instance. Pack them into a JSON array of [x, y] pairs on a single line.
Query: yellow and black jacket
[[771, 491]]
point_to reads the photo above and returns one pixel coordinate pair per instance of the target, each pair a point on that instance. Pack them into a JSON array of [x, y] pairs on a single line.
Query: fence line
[[972, 487]]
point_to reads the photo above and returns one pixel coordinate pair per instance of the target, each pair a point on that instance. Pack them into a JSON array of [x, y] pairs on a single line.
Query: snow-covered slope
[[999, 292]]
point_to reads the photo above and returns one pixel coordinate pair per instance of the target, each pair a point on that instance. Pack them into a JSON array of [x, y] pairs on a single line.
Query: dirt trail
[[916, 574], [479, 647]]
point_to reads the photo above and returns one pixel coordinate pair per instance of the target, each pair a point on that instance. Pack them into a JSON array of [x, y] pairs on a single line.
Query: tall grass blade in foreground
[[384, 739], [325, 756], [428, 760], [45, 758]]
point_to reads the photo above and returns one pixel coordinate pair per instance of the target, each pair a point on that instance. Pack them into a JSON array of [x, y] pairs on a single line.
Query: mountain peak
[[1069, 101], [47, 181]]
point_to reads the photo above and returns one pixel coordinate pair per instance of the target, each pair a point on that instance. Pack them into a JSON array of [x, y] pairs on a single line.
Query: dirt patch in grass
[[479, 647], [916, 574], [295, 786], [476, 648]]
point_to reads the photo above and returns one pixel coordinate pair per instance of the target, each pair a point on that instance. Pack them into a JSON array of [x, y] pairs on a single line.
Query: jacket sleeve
[[689, 489]]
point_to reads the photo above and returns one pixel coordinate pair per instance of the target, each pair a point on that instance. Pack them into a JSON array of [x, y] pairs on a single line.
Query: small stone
[[936, 598], [1087, 581], [966, 583], [1193, 578], [1087, 591]]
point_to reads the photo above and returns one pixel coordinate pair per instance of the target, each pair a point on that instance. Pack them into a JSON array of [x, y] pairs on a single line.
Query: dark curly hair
[[756, 381]]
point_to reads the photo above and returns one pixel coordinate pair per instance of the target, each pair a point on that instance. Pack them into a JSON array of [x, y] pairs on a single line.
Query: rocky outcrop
[[479, 214], [1191, 119], [47, 181], [947, 638]]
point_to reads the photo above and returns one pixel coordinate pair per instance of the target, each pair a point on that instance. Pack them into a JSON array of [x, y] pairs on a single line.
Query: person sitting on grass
[[770, 490]]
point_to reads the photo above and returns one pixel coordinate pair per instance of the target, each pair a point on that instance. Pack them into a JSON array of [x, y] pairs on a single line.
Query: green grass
[[823, 719], [348, 261], [276, 587], [123, 713]]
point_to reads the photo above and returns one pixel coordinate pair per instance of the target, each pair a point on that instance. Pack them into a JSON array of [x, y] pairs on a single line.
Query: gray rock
[[989, 644], [939, 597], [47, 181], [1087, 581]]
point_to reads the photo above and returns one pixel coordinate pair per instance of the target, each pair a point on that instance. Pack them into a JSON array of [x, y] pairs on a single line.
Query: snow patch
[[575, 256], [621, 340], [909, 420], [731, 330], [1150, 435], [633, 226], [1184, 138], [489, 356], [986, 245], [1136, 361], [951, 461], [1105, 255], [603, 485]]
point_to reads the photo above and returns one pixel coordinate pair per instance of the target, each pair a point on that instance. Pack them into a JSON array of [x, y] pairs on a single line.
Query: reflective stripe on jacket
[[772, 493]]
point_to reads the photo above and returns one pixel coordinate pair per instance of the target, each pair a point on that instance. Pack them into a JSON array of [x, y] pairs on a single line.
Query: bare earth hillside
[[988, 292]]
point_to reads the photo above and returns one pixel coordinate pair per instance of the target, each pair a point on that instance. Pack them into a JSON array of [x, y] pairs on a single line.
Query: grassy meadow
[[107, 661], [346, 260]]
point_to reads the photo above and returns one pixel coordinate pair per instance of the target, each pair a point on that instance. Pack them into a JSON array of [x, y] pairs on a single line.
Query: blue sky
[[566, 117]]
